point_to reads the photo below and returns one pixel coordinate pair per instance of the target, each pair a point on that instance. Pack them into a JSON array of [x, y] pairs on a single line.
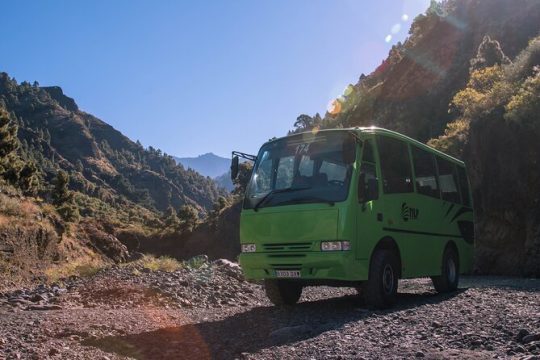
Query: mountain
[[104, 166], [466, 79], [207, 164], [225, 181]]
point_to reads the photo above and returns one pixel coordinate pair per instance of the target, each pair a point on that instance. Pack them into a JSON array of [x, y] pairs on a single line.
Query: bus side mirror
[[234, 167], [349, 150]]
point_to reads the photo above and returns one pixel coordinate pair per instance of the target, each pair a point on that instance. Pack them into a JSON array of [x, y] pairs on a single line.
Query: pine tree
[[188, 217], [8, 135], [170, 218], [29, 179], [489, 54], [63, 198], [10, 164]]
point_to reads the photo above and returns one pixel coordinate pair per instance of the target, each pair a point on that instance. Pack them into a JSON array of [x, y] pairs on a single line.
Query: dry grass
[[82, 268], [162, 263], [11, 206]]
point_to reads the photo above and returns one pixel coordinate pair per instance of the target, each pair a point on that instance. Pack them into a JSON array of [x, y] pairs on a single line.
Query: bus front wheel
[[380, 290], [449, 278], [282, 292]]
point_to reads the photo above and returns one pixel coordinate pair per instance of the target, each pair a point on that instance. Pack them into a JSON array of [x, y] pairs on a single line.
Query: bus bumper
[[339, 265]]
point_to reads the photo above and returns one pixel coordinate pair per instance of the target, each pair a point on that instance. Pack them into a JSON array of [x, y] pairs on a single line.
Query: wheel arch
[[388, 243], [451, 244]]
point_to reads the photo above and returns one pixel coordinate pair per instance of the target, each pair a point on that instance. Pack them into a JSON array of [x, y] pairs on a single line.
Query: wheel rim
[[451, 271], [388, 279]]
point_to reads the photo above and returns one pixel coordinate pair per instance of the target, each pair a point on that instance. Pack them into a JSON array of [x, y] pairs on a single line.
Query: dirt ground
[[124, 313]]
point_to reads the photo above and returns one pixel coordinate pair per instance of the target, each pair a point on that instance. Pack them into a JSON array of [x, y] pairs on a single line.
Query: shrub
[[162, 263], [82, 268]]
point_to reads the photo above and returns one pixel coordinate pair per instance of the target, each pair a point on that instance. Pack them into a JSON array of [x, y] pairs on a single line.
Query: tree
[[188, 217], [8, 135], [170, 218], [29, 179], [63, 198], [241, 181], [489, 54], [303, 122], [10, 164]]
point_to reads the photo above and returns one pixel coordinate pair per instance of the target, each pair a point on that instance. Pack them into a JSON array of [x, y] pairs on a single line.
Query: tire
[[282, 292], [449, 279], [380, 290]]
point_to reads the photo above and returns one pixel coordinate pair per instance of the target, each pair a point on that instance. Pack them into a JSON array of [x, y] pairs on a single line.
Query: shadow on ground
[[252, 330]]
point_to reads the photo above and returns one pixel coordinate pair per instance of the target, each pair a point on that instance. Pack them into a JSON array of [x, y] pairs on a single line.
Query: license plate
[[288, 273]]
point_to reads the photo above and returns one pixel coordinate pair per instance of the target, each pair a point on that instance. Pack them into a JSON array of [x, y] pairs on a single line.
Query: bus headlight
[[335, 245], [246, 248]]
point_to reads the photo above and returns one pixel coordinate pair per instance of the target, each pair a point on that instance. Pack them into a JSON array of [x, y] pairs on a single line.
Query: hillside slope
[[103, 164], [416, 91], [411, 90]]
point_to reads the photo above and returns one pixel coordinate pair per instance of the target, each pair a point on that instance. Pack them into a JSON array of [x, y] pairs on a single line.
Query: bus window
[[305, 168], [425, 173], [285, 172], [395, 165], [448, 180], [368, 188], [367, 152], [464, 186]]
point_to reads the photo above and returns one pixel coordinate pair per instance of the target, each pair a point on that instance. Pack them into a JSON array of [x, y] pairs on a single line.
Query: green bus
[[358, 207]]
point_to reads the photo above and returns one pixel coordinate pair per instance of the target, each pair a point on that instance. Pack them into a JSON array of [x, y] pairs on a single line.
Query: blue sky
[[192, 77]]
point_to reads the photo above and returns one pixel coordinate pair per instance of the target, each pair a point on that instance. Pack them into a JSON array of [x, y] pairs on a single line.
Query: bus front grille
[[283, 247], [286, 266]]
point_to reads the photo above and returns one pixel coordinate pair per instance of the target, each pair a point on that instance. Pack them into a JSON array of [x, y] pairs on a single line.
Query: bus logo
[[408, 212]]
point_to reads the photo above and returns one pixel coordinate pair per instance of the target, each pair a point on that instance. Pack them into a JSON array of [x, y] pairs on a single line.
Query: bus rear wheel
[[282, 292], [449, 278], [380, 291]]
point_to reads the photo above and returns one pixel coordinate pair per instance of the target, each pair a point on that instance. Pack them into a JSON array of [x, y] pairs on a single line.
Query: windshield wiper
[[277, 191], [308, 199]]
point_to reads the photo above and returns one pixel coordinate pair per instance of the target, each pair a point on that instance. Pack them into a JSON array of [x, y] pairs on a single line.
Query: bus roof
[[383, 131]]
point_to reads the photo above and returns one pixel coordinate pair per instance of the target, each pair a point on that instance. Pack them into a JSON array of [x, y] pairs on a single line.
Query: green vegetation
[[411, 90], [81, 267], [51, 150], [502, 92], [162, 263]]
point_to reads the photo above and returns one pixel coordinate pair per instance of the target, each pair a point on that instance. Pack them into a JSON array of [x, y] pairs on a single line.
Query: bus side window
[[425, 172], [395, 165], [368, 184], [464, 186], [448, 180]]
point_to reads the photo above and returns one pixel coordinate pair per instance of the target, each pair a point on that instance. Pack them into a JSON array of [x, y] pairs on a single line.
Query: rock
[[53, 351], [44, 307], [521, 334], [530, 338], [225, 262], [19, 301], [419, 354], [37, 298]]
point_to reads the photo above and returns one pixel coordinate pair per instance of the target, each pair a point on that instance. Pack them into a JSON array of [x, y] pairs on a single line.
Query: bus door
[[369, 215]]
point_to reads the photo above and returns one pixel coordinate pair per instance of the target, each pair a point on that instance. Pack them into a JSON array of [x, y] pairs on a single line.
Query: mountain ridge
[[208, 164], [103, 163]]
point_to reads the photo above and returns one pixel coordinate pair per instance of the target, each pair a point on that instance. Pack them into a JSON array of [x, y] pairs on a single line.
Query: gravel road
[[132, 313]]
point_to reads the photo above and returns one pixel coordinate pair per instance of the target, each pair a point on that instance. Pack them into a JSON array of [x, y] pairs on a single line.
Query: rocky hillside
[[103, 164], [467, 64], [71, 186]]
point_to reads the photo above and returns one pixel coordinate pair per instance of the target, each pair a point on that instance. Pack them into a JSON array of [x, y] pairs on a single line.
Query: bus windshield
[[304, 168]]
